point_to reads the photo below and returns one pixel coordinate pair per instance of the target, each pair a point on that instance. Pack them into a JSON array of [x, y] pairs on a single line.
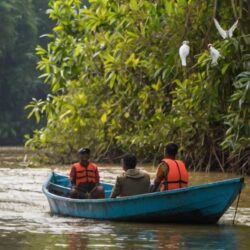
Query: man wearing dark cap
[[84, 177], [133, 181], [171, 173]]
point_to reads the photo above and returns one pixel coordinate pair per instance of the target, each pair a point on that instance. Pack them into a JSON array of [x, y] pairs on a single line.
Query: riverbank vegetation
[[22, 22], [117, 85]]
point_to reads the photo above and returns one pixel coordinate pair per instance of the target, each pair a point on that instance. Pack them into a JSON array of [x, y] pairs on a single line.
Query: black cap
[[84, 151]]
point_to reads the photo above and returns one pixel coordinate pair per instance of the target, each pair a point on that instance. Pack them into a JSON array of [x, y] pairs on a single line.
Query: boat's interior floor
[[58, 190], [66, 191]]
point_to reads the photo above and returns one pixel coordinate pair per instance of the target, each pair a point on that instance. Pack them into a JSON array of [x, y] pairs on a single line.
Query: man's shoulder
[[73, 166], [93, 164], [162, 165], [120, 179], [162, 169], [121, 176]]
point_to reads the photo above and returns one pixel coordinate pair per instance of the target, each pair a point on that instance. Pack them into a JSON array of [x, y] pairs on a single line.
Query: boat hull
[[203, 204]]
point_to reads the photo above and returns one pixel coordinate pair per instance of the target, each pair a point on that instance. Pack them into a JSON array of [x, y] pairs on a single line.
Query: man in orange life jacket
[[84, 177], [171, 173]]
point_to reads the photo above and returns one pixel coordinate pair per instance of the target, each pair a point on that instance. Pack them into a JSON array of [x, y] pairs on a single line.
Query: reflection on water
[[217, 238], [25, 221], [137, 236]]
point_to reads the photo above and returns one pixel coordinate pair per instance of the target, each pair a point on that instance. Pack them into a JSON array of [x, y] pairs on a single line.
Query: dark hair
[[129, 161], [84, 151], [171, 149]]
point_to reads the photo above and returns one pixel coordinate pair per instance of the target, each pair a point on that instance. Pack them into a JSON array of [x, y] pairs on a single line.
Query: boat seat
[[58, 190]]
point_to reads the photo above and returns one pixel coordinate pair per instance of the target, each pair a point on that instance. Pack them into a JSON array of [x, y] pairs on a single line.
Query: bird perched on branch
[[215, 54], [183, 52], [225, 33]]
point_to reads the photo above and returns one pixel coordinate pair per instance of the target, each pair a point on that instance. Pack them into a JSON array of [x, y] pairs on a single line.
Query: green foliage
[[238, 116], [19, 28], [116, 81]]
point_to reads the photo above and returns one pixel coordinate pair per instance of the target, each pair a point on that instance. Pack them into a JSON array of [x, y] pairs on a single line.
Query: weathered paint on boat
[[203, 204]]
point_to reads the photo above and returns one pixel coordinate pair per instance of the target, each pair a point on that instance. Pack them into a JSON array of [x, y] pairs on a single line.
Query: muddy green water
[[26, 223]]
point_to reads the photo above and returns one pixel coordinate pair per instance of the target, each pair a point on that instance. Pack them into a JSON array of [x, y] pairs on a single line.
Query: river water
[[26, 222]]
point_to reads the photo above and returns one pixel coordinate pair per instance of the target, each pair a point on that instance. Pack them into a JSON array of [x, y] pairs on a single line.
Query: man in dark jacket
[[133, 181]]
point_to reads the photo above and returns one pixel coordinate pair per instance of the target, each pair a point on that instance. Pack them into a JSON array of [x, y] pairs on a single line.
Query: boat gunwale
[[139, 196]]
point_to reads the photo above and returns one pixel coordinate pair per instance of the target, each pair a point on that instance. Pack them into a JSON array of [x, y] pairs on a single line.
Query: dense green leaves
[[117, 84]]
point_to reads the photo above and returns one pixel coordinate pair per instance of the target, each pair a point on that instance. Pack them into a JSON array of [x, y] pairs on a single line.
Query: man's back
[[131, 182]]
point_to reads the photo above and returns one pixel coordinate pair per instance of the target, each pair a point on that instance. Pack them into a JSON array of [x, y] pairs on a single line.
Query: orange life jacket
[[177, 176], [87, 174]]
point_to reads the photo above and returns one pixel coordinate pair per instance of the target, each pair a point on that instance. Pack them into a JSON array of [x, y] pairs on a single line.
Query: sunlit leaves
[[132, 61], [37, 107], [117, 83], [104, 118], [133, 4]]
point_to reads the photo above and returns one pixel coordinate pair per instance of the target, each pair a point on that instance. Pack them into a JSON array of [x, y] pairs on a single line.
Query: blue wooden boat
[[202, 204]]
